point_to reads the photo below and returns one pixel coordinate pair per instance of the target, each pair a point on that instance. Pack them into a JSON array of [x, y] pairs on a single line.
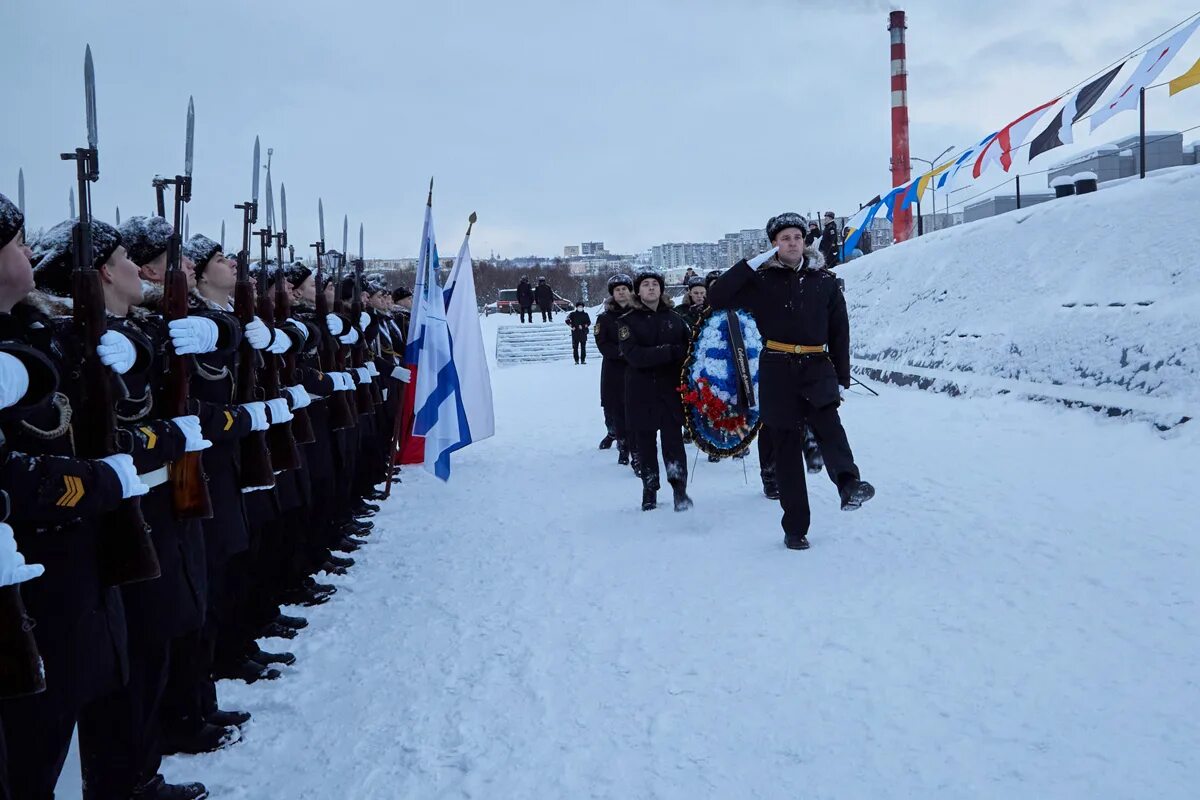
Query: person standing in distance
[[805, 364], [580, 324]]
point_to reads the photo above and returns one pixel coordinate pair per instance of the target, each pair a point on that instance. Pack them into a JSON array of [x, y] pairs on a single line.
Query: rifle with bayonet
[[302, 427], [340, 416], [347, 353], [257, 470], [126, 553], [282, 443], [356, 309], [189, 487]]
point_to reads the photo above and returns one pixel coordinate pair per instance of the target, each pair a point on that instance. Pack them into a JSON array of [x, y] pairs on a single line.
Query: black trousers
[[614, 421], [547, 314], [674, 456], [766, 454], [790, 465], [122, 729], [526, 310], [579, 349]]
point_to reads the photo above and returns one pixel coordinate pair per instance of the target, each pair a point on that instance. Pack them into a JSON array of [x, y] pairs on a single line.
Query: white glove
[[131, 484], [372, 370], [402, 374], [13, 569], [350, 338], [258, 415], [189, 426], [192, 335], [300, 327], [762, 258], [280, 344], [116, 352], [334, 324], [364, 319], [280, 413], [300, 396], [14, 380], [347, 381], [363, 375], [841, 393], [257, 334]]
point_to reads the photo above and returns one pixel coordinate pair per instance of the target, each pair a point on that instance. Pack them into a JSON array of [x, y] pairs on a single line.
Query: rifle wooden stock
[[126, 552], [189, 487], [340, 416], [257, 470], [21, 670], [284, 453], [302, 427]]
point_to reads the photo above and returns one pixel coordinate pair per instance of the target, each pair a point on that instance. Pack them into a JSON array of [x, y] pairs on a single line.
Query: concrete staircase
[[537, 341]]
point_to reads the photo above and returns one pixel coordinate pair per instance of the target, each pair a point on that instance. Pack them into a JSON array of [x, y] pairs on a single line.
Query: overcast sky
[[633, 123]]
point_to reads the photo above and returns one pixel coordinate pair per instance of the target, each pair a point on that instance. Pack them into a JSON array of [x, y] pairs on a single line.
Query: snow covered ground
[[1014, 615], [1094, 297]]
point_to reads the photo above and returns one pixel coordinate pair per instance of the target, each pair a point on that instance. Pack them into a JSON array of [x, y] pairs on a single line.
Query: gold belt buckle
[[797, 349]]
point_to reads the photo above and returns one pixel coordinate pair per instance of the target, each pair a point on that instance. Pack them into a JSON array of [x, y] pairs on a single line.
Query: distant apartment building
[[704, 256], [592, 249], [571, 251]]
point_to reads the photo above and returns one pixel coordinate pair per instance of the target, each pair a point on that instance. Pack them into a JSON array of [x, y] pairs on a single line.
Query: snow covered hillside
[[1013, 616], [1094, 298]]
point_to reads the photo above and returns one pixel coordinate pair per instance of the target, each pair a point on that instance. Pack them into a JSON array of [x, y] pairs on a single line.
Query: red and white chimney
[[901, 167]]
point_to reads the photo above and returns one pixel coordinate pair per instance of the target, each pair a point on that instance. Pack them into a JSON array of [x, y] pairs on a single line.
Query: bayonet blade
[[72, 202], [283, 208], [191, 137], [187, 226], [118, 216], [21, 191], [257, 169], [269, 218], [89, 94], [345, 235], [222, 235], [360, 241]]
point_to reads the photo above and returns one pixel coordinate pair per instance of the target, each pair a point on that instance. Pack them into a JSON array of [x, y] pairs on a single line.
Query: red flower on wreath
[[713, 408]]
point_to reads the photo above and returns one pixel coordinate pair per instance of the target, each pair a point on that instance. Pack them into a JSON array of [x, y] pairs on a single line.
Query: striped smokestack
[[901, 169]]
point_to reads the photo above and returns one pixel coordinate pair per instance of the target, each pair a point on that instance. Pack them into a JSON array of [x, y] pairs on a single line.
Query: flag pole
[[1142, 131]]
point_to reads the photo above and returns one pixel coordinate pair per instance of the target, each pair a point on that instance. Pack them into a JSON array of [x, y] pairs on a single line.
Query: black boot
[[295, 623], [347, 544], [854, 493], [770, 486], [622, 453], [680, 496], [795, 542], [158, 789], [223, 719], [338, 561], [263, 657], [208, 738], [606, 442], [330, 568], [649, 498], [276, 631]]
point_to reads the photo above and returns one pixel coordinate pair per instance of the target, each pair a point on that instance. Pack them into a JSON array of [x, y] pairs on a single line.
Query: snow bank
[[1092, 298]]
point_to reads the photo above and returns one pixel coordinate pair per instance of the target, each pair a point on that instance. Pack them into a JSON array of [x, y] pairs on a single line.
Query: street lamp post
[[931, 164]]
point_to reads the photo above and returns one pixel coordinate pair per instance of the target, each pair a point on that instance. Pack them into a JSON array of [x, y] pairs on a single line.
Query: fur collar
[[664, 302], [48, 305], [813, 260], [613, 307]]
